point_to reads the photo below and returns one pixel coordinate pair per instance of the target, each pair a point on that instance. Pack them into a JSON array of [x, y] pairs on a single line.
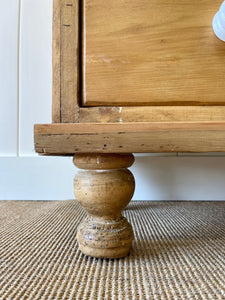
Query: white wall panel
[[9, 18], [35, 70]]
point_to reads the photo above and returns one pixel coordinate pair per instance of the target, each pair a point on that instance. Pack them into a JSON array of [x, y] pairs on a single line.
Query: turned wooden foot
[[104, 187]]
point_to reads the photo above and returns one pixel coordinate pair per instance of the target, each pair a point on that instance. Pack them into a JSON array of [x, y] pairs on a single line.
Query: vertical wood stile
[[56, 64], [66, 61]]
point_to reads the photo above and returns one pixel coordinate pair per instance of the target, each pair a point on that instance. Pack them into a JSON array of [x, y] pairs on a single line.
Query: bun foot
[[104, 188]]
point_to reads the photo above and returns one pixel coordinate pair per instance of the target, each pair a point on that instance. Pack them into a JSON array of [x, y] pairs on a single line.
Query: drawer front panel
[[151, 52]]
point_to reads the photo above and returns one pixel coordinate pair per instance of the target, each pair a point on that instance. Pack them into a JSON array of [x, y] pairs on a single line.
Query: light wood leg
[[104, 187]]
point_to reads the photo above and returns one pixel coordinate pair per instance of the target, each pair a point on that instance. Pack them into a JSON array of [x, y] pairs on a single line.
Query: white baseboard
[[157, 178], [36, 178]]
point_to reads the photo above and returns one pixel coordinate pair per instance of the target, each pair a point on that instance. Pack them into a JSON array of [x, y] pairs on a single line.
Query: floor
[[178, 253]]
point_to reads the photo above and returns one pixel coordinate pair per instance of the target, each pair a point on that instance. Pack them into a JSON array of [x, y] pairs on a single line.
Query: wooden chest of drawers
[[128, 77]]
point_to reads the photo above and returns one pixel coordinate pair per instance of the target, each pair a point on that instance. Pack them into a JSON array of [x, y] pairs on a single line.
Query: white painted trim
[[8, 77], [157, 178], [36, 178], [35, 90], [18, 76]]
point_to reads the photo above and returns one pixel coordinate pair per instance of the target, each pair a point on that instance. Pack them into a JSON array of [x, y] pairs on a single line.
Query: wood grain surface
[[66, 93], [152, 52], [56, 63], [130, 137], [104, 190], [116, 114]]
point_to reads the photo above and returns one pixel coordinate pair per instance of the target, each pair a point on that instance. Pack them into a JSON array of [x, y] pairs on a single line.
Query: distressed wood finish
[[130, 137], [56, 63], [65, 108], [152, 114], [104, 188], [157, 52]]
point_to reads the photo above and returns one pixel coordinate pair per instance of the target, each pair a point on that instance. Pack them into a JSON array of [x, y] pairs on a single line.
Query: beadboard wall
[[25, 98]]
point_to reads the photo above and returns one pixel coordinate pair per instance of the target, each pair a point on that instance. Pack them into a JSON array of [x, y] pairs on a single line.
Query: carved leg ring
[[104, 187]]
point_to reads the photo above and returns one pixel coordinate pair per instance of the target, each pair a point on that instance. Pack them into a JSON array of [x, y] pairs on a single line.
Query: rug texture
[[178, 253]]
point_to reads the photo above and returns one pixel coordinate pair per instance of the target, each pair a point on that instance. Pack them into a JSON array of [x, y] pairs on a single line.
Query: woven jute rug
[[178, 253]]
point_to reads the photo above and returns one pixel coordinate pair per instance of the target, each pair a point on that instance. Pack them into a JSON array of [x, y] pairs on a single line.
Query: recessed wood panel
[[151, 52]]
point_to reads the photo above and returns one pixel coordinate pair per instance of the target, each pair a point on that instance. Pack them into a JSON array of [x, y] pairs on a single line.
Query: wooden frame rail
[[143, 137]]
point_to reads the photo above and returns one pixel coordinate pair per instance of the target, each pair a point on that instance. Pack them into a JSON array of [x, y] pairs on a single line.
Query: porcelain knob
[[219, 23]]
